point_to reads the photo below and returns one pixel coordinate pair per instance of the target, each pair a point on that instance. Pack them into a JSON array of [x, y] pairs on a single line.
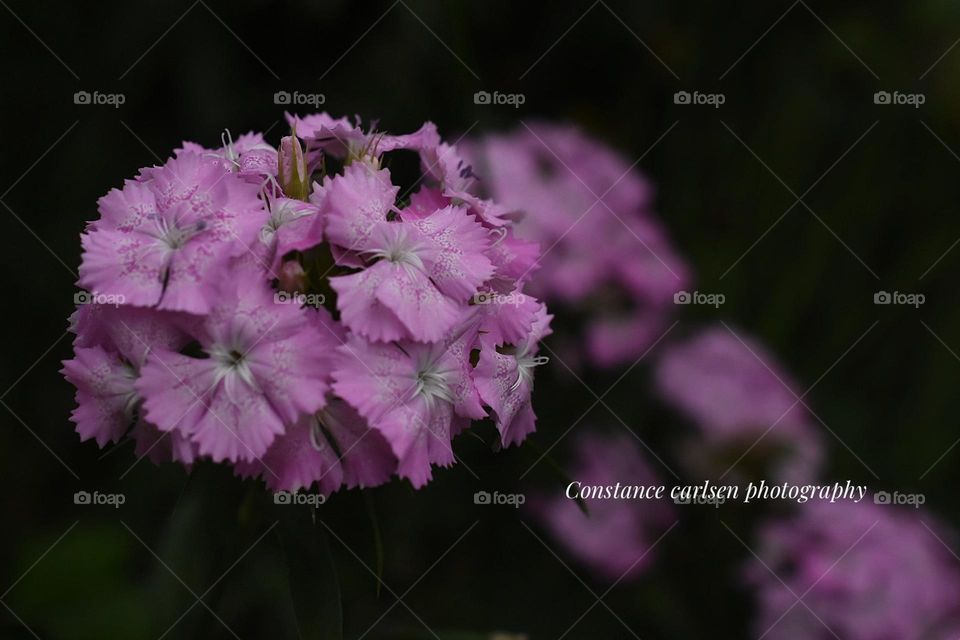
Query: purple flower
[[266, 365], [604, 254], [164, 239], [738, 397], [867, 571], [417, 395], [227, 266], [616, 536]]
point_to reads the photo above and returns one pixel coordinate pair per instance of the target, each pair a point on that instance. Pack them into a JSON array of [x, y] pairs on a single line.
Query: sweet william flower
[[111, 345], [266, 365], [614, 538], [208, 356], [865, 571], [737, 395], [330, 448], [572, 194], [505, 381], [417, 395], [163, 240]]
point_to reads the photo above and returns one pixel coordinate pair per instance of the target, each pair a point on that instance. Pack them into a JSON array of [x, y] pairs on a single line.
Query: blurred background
[[879, 191]]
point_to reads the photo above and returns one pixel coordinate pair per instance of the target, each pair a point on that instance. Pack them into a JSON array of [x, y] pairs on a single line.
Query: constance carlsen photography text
[[423, 320]]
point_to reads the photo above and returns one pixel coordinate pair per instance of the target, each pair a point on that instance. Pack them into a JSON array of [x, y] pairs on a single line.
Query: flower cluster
[[604, 252], [864, 571], [739, 400], [288, 311]]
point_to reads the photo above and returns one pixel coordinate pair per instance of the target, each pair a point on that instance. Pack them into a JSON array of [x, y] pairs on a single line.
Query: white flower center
[[175, 236], [231, 362], [401, 249]]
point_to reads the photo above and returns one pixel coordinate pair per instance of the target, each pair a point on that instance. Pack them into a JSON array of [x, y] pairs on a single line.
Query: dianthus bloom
[[291, 312], [742, 403], [615, 537], [867, 571], [604, 253]]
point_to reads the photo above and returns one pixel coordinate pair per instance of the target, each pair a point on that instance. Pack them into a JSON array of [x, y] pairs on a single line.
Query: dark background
[[800, 98]]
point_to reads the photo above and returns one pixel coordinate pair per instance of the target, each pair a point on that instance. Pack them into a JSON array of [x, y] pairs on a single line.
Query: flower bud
[[292, 169]]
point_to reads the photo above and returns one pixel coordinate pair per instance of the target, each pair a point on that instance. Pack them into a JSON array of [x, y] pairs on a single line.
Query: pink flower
[[332, 448], [249, 156], [164, 239], [225, 264], [733, 390], [424, 272], [615, 537], [867, 571], [106, 399], [417, 395], [267, 366], [604, 254], [505, 380], [110, 347]]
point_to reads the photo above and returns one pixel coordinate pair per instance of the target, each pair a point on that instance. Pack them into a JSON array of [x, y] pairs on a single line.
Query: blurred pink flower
[[604, 255], [615, 538], [867, 571], [737, 395]]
